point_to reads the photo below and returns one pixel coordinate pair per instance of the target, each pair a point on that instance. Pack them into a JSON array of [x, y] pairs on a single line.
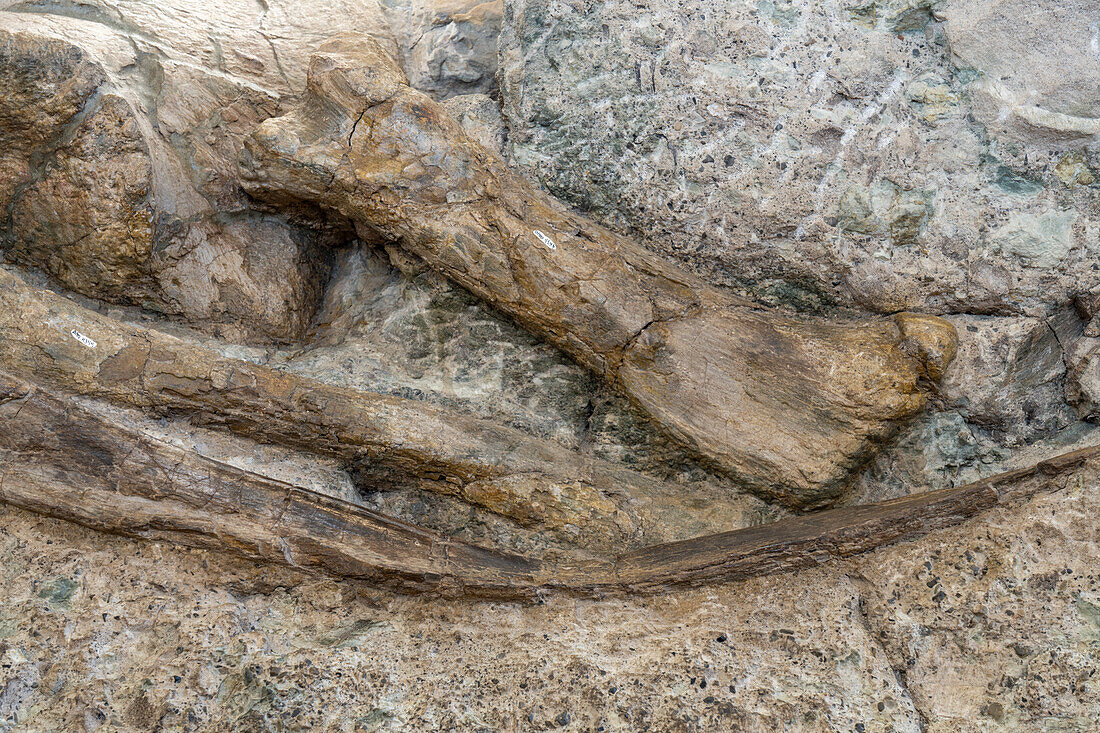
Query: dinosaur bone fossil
[[389, 440], [788, 405], [60, 460]]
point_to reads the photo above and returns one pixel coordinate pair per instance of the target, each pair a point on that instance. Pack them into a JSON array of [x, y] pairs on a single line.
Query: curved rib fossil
[[60, 460], [788, 405]]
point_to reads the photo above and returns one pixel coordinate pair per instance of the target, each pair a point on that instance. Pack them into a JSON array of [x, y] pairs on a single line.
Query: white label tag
[[83, 339], [545, 239]]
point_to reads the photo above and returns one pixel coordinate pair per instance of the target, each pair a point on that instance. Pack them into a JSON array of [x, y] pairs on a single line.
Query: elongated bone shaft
[[789, 405], [390, 440], [60, 460]]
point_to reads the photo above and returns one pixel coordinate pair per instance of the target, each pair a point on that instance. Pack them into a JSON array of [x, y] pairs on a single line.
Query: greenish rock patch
[[1041, 240], [884, 209], [58, 591]]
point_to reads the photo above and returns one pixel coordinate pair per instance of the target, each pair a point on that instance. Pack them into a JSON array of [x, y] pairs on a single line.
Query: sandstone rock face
[[889, 155], [121, 126], [1038, 78]]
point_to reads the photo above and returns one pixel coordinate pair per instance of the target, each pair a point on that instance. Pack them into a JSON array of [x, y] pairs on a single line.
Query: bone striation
[[788, 405], [61, 460], [385, 440]]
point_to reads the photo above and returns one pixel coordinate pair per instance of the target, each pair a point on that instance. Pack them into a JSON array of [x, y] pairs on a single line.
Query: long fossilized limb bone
[[61, 460], [789, 405], [58, 459], [539, 483]]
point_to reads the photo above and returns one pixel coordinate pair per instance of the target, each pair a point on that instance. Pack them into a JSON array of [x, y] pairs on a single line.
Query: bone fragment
[[61, 460]]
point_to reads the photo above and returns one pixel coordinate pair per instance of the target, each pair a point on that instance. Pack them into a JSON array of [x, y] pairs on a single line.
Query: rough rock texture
[[447, 47], [121, 124], [887, 155], [61, 460], [821, 155], [1083, 358], [424, 338], [480, 117], [890, 154], [988, 626], [1083, 389], [1007, 388], [1009, 377], [788, 406], [1037, 79]]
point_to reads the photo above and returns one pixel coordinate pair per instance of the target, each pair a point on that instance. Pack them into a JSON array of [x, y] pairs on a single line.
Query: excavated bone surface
[[423, 339], [991, 216], [121, 125]]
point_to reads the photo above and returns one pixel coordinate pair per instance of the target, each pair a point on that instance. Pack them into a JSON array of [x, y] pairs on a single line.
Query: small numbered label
[[545, 239], [83, 339]]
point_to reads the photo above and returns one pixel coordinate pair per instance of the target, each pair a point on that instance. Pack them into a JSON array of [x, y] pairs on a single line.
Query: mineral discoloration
[[824, 153]]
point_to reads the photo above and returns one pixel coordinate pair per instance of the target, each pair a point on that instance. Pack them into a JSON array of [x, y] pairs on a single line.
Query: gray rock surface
[[887, 155], [480, 117], [1038, 64], [447, 47], [1010, 377]]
